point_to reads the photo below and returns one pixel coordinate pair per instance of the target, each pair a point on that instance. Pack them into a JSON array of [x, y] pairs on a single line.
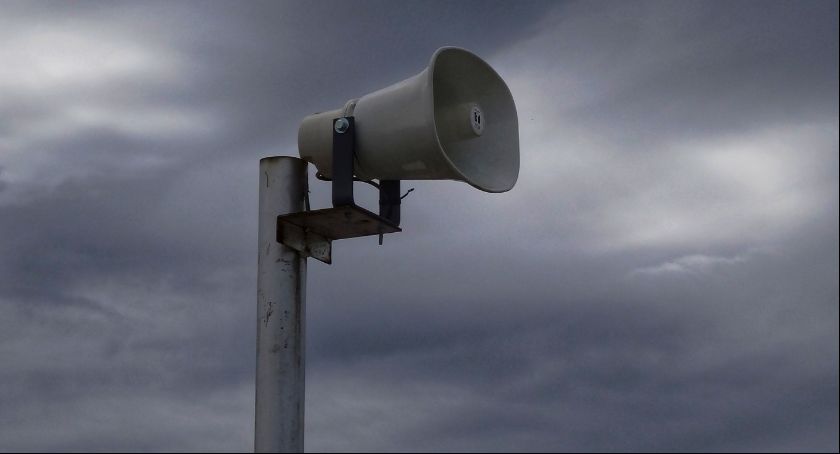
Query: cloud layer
[[662, 278]]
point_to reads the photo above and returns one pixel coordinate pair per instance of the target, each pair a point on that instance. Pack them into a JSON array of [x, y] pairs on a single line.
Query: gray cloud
[[664, 276]]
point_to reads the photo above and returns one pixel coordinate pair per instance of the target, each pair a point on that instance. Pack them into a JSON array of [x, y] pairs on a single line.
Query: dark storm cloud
[[265, 64], [664, 277], [719, 70], [691, 362]]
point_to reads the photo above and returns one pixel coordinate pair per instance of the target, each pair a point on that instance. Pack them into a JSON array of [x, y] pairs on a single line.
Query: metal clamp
[[343, 157]]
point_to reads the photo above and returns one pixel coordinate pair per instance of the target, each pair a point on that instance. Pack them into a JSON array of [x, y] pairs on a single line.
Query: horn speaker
[[455, 120]]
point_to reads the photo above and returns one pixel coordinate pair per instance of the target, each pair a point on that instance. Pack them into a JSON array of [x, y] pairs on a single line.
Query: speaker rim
[[430, 81]]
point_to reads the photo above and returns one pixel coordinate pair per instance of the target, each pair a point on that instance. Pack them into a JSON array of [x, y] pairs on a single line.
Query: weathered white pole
[[281, 298]]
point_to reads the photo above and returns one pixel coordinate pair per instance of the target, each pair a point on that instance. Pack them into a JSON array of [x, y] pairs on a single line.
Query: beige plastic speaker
[[455, 120]]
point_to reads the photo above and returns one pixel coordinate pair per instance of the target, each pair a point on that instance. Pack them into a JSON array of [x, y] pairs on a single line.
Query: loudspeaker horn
[[455, 120]]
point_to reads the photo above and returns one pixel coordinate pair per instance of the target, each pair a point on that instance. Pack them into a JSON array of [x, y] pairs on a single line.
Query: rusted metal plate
[[339, 223], [308, 243], [311, 232]]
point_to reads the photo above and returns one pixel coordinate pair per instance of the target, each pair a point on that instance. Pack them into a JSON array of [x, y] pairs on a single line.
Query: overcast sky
[[664, 276]]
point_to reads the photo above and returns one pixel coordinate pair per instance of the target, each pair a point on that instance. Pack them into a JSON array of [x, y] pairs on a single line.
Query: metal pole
[[281, 298]]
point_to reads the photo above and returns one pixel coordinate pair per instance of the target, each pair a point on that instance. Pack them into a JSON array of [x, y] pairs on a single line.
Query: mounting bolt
[[341, 125]]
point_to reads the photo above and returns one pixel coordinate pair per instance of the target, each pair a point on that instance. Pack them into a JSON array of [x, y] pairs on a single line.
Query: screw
[[341, 125]]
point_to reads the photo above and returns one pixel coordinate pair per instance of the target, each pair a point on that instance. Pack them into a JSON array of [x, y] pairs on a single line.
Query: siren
[[455, 120]]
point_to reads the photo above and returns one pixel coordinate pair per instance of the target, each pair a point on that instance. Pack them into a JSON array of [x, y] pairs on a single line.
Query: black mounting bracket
[[343, 160], [311, 232]]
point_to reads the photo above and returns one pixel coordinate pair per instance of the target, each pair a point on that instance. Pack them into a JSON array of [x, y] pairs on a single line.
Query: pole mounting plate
[[312, 232]]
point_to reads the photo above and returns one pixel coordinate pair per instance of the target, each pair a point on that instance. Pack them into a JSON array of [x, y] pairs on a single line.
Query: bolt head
[[341, 125]]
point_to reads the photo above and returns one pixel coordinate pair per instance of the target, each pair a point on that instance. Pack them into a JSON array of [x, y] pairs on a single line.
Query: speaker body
[[455, 120]]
